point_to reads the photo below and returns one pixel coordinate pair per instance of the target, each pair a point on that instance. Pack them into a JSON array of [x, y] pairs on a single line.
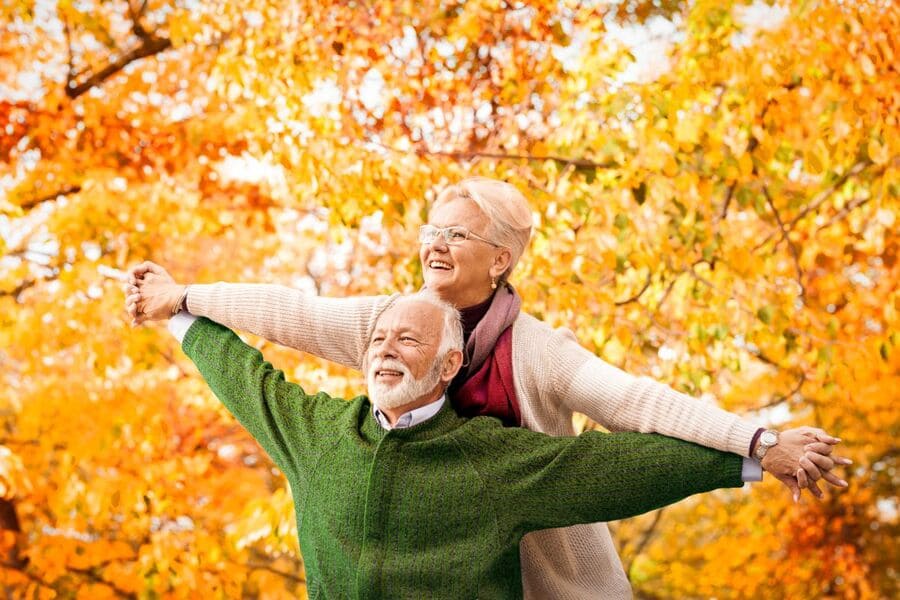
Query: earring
[[493, 283]]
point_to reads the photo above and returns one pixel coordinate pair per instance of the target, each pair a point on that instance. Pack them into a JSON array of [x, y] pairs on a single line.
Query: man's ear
[[452, 362], [501, 262]]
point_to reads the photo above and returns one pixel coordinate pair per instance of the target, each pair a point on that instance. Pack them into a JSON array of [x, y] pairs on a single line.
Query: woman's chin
[[438, 282]]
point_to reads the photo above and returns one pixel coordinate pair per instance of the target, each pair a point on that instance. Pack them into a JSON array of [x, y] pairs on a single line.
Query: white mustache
[[389, 365]]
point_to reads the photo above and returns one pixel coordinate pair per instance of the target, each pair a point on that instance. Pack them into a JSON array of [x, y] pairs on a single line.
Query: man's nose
[[387, 350]]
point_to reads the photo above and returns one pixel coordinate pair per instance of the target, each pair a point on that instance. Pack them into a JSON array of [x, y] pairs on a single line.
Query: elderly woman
[[518, 368]]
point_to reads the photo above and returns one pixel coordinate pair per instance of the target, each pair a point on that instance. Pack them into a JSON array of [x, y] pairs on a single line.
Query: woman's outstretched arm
[[336, 329]]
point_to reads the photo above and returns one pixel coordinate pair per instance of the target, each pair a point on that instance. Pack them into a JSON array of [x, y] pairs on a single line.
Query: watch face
[[768, 438]]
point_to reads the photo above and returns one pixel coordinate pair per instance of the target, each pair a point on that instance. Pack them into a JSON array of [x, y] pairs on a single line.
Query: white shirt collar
[[411, 418]]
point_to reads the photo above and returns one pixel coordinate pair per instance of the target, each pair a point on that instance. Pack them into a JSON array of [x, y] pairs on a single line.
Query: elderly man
[[398, 497]]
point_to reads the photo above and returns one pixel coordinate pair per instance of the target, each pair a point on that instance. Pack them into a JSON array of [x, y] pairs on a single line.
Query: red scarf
[[484, 386]]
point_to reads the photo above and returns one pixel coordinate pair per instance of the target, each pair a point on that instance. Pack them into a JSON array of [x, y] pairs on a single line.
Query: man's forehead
[[410, 314]]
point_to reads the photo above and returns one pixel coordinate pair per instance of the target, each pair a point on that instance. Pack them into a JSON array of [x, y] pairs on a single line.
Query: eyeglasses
[[453, 235]]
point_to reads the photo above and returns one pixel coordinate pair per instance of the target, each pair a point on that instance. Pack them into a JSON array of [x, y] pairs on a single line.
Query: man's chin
[[388, 396], [383, 387], [388, 403]]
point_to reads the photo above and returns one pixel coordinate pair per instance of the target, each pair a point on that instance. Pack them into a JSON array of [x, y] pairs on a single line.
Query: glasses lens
[[456, 235], [427, 234], [452, 235]]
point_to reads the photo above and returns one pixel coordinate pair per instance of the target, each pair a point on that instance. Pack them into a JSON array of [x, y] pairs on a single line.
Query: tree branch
[[850, 206], [577, 162], [762, 357], [174, 362], [639, 294], [728, 195], [19, 288], [668, 291], [819, 199], [88, 573], [70, 73], [824, 195], [271, 569], [31, 203], [150, 45], [645, 539], [30, 576], [136, 15], [784, 235], [751, 146], [28, 283], [784, 397], [29, 442], [91, 575]]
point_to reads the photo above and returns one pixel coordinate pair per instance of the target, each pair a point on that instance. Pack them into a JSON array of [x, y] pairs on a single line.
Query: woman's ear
[[501, 262], [452, 363]]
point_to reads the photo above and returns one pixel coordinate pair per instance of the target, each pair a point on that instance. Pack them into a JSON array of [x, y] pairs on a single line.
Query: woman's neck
[[471, 315]]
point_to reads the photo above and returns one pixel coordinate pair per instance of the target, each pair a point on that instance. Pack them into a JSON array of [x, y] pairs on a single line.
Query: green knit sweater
[[436, 510]]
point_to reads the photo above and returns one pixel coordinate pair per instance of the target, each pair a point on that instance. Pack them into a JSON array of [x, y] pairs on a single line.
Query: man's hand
[[152, 293], [802, 457]]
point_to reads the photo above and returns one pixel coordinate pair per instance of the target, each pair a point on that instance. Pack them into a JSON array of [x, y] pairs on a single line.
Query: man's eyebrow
[[413, 331], [399, 330]]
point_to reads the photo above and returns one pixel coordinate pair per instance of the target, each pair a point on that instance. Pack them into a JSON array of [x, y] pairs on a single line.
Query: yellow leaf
[[867, 66], [877, 151], [687, 130], [745, 162]]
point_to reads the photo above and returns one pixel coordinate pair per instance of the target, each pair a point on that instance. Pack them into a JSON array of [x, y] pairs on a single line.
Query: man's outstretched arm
[[550, 482], [278, 414]]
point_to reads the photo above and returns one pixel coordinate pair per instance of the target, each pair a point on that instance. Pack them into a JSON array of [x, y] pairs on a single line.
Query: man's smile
[[387, 375]]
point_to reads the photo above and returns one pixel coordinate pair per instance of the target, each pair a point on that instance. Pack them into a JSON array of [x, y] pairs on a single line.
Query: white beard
[[406, 391]]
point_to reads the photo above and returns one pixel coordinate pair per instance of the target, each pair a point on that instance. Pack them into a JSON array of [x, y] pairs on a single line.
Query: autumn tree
[[723, 220]]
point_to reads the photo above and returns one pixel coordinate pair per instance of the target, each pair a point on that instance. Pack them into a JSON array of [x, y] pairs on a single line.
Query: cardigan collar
[[412, 417], [445, 421]]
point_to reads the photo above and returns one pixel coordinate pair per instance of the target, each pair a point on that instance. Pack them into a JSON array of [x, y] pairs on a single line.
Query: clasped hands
[[152, 294], [803, 456]]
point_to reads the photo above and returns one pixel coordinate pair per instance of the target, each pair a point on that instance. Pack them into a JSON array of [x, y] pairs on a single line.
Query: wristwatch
[[767, 439], [182, 302]]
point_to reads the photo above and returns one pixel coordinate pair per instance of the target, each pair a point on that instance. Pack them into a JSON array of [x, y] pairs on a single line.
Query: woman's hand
[[802, 457]]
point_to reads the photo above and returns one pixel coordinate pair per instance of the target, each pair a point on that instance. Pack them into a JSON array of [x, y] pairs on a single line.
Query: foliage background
[[715, 191]]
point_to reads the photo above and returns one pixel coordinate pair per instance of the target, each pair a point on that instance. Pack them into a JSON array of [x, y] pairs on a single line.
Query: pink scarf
[[485, 384]]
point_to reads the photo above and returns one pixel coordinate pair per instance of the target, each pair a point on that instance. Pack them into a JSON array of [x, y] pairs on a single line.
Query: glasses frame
[[427, 230]]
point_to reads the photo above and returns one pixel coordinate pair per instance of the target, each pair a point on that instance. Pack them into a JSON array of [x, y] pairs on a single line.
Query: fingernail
[[796, 498], [843, 483]]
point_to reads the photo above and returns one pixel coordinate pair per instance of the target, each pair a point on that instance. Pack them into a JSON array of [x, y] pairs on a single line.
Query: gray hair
[[505, 207], [452, 332]]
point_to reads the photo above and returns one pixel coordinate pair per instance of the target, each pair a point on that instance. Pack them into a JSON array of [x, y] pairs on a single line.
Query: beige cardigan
[[554, 376]]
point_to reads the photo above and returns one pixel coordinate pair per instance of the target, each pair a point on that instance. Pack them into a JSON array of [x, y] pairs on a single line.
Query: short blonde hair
[[505, 207]]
